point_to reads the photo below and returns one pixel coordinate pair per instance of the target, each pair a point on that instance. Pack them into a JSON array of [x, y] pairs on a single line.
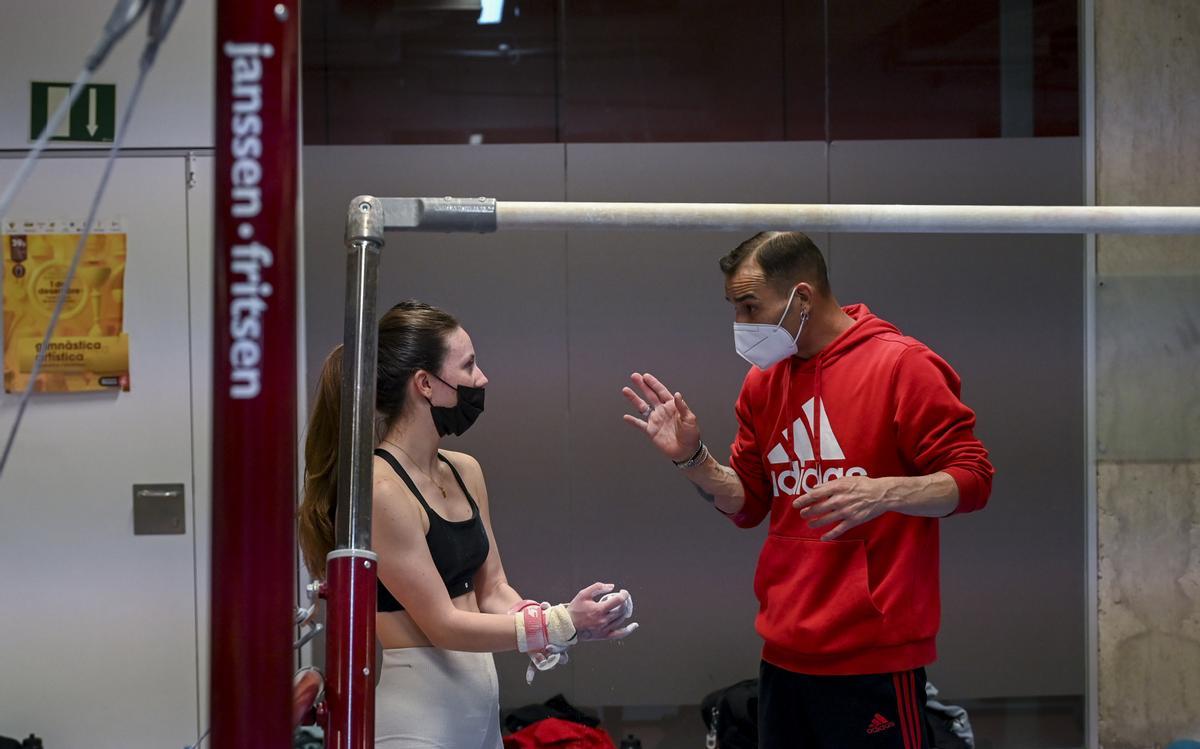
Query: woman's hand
[[603, 619]]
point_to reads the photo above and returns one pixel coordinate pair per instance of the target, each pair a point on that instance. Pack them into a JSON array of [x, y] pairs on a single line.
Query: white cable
[[14, 186], [123, 16], [66, 286], [119, 22], [203, 736]]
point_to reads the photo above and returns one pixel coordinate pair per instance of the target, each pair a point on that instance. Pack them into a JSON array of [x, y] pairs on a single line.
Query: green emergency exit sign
[[93, 116]]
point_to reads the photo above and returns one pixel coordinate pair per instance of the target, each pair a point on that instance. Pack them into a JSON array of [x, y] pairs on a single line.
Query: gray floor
[[1046, 723], [1039, 723]]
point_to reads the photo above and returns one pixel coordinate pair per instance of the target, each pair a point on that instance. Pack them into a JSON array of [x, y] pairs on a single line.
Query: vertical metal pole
[[351, 567], [254, 374], [1091, 520]]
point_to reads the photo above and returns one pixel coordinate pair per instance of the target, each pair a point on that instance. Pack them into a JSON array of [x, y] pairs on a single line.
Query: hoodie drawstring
[[817, 416]]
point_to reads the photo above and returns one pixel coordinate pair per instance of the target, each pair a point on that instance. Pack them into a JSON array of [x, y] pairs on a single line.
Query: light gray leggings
[[429, 698]]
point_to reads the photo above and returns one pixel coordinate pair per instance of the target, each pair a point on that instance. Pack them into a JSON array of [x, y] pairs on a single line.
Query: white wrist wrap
[[559, 626], [540, 628]]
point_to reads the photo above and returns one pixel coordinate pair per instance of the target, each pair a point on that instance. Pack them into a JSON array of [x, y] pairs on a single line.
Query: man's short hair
[[786, 258]]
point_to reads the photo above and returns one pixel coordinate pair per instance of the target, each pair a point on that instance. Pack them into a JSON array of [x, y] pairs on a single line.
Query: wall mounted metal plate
[[158, 509]]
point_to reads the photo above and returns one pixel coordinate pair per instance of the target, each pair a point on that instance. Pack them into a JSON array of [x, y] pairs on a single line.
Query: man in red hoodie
[[852, 437]]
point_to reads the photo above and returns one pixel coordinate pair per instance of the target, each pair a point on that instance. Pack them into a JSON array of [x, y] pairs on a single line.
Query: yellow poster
[[89, 349]]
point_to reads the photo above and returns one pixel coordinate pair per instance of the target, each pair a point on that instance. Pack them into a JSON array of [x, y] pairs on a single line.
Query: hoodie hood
[[866, 326]]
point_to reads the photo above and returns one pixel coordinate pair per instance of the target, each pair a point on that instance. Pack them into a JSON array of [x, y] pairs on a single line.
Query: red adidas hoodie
[[872, 403]]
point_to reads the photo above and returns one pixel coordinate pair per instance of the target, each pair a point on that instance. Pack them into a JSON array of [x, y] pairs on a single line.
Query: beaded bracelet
[[700, 456]]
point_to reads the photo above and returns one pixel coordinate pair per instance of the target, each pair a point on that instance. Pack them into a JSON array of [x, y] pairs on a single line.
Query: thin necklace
[[414, 462]]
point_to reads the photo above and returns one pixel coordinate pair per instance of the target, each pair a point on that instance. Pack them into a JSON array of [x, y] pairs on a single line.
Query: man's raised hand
[[663, 416]]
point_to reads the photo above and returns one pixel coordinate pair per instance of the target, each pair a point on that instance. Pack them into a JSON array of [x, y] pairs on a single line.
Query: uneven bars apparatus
[[351, 576], [254, 438]]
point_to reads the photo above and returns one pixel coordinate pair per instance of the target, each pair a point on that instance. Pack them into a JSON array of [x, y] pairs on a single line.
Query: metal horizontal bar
[[971, 219], [475, 215]]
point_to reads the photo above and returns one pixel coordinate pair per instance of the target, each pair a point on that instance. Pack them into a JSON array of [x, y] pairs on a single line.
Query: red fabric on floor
[[555, 732]]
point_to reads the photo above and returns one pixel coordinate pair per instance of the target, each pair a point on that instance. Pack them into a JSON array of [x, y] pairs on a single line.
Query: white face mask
[[766, 345]]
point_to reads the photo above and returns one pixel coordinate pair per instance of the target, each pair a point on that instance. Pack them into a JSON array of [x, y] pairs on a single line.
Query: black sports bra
[[459, 548]]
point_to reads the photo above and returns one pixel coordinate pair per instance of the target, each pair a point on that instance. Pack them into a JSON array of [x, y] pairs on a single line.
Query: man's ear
[[805, 295]]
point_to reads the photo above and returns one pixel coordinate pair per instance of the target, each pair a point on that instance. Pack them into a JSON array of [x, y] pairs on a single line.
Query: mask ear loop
[[788, 308], [452, 387], [439, 379], [803, 319], [429, 398], [803, 316]]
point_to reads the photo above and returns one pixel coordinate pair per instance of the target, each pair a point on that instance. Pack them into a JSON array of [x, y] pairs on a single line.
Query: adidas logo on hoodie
[[804, 469]]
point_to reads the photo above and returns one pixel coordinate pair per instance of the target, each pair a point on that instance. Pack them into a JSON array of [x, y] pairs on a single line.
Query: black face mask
[[458, 418]]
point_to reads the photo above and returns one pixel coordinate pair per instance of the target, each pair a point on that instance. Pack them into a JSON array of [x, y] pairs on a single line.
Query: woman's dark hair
[[412, 336]]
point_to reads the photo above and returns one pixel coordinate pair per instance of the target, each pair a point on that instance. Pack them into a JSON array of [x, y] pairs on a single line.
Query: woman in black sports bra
[[444, 603]]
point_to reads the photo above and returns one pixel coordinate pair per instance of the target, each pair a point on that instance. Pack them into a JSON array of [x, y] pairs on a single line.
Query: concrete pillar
[[1147, 123]]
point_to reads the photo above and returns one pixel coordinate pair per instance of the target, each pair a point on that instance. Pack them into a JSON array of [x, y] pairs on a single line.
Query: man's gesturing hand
[[664, 417], [844, 503]]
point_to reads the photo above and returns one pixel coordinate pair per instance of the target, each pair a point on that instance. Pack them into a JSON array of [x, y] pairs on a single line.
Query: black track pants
[[873, 711]]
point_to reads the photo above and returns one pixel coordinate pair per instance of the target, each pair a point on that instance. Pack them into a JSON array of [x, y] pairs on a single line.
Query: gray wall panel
[[654, 302], [1007, 313], [508, 291]]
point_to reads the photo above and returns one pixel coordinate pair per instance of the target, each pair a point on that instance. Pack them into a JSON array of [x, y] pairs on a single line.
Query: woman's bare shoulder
[[468, 467], [391, 497]]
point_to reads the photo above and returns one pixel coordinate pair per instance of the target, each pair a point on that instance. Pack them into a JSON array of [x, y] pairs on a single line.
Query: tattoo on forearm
[[711, 499]]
